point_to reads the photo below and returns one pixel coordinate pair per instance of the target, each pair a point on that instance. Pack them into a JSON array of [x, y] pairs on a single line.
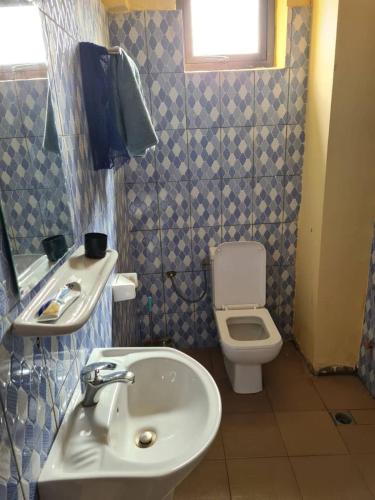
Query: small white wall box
[[123, 286]]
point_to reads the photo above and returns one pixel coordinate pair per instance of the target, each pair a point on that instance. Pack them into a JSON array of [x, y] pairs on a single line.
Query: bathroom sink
[[141, 440]]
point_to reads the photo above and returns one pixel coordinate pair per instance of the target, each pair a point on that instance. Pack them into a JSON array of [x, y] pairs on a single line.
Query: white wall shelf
[[92, 274]]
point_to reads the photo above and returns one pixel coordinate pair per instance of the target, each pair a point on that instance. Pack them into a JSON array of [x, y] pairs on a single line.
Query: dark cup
[[55, 247], [95, 245]]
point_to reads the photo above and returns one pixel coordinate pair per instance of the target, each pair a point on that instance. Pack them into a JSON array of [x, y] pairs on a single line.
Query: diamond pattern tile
[[11, 121], [29, 245], [181, 327], [16, 171], [128, 31], [157, 329], [237, 233], [237, 202], [295, 148], [142, 206], [176, 249], [32, 96], [269, 150], [185, 283], [206, 332], [150, 285], [204, 153], [366, 360], [202, 239], [297, 95], [23, 214], [46, 165], [168, 100], [56, 214], [272, 287], [300, 36], [292, 197], [284, 321], [270, 236], [141, 169], [268, 200], [203, 100], [146, 251], [289, 246], [271, 97], [237, 98], [237, 145], [164, 40], [287, 285], [172, 155], [205, 199], [174, 204]]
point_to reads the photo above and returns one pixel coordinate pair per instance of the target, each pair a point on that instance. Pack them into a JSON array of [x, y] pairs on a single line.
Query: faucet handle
[[90, 372]]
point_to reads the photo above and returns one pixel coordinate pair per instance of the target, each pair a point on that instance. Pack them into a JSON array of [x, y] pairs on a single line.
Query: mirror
[[33, 193]]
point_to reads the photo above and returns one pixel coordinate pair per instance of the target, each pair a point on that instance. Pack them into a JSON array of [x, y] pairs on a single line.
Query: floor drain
[[342, 417], [145, 438]]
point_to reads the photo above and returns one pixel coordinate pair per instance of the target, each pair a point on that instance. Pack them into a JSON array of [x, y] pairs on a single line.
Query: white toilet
[[248, 335]]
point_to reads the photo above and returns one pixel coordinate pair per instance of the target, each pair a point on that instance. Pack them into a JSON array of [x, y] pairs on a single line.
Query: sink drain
[[342, 417], [145, 438]]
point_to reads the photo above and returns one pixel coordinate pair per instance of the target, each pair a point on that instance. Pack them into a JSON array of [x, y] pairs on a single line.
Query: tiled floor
[[282, 444]]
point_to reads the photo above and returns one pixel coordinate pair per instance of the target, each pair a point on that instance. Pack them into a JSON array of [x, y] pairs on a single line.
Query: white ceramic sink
[[95, 456]]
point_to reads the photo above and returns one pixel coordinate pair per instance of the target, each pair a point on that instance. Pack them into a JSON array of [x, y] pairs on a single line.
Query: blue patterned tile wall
[[29, 177], [228, 167], [366, 364], [37, 377]]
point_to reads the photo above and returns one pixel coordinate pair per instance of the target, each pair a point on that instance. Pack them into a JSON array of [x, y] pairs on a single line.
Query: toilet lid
[[239, 274]]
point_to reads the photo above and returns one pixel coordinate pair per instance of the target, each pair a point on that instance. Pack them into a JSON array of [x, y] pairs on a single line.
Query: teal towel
[[132, 117], [51, 140]]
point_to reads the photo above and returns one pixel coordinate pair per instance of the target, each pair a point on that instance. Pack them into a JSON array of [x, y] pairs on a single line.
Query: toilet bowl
[[248, 336]]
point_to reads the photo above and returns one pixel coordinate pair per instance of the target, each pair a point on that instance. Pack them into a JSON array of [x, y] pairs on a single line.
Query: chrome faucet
[[93, 381]]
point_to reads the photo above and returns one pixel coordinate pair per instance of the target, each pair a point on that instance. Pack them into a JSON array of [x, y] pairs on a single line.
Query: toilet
[[248, 336]]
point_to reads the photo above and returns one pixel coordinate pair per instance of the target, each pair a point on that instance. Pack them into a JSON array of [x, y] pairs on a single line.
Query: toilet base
[[245, 379]]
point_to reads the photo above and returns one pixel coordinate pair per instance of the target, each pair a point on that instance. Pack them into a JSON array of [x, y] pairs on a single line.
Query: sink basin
[[97, 454]]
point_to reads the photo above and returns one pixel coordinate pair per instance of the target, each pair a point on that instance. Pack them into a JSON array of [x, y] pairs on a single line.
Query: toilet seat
[[261, 313]]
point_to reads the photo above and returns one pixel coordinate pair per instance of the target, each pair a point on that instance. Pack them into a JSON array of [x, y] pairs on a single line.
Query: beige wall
[[338, 202]]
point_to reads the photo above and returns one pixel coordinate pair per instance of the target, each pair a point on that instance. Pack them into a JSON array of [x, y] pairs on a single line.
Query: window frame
[[265, 57]]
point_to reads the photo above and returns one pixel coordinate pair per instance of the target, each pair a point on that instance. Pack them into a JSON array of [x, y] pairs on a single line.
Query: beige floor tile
[[293, 393], [358, 438], [218, 368], [203, 356], [216, 450], [248, 435], [262, 479], [310, 433], [289, 362], [344, 392], [208, 481], [329, 478], [242, 403], [364, 417], [366, 466]]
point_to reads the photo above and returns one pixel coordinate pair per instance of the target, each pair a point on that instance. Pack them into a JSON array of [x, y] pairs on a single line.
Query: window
[[228, 34], [21, 38]]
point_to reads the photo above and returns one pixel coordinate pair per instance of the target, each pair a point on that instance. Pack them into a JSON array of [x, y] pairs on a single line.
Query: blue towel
[[132, 117], [106, 142]]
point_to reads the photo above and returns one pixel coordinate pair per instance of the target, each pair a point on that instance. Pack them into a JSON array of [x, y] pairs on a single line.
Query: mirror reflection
[[32, 185]]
